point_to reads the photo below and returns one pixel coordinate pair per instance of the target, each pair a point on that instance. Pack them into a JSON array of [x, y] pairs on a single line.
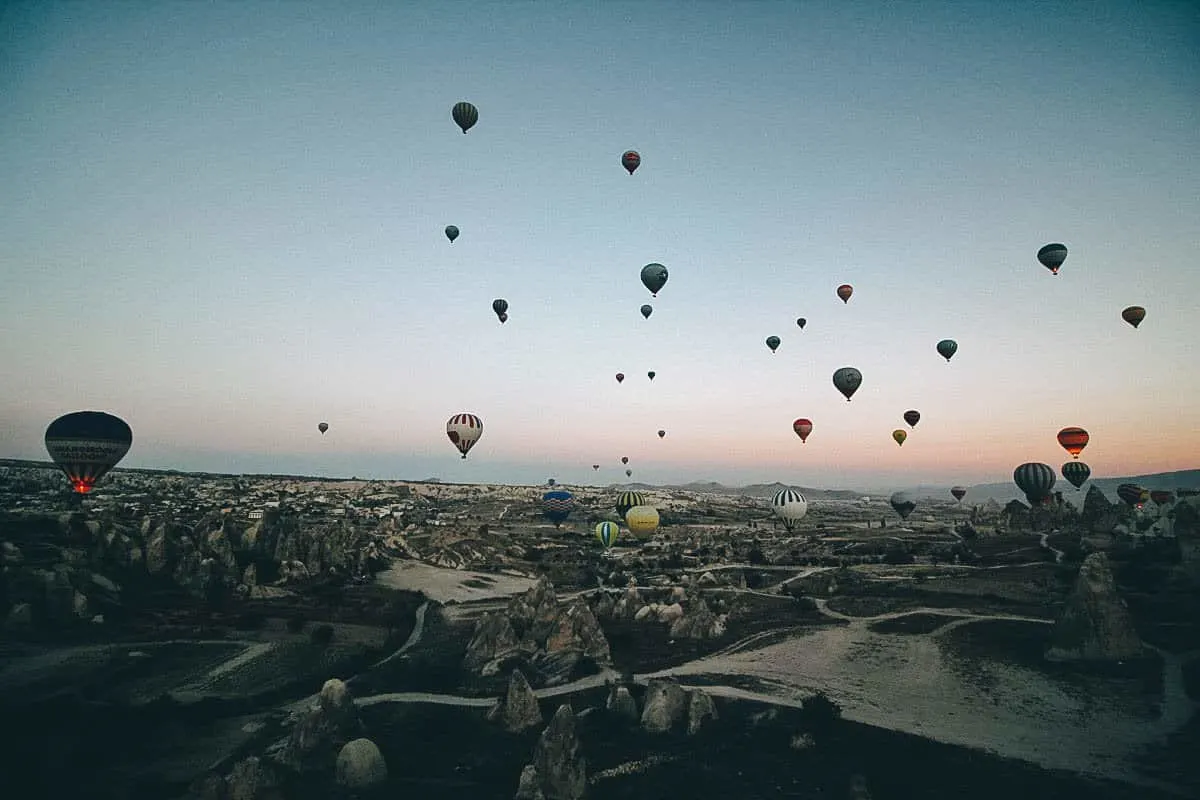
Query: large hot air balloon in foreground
[[608, 533], [802, 427], [899, 435], [654, 278], [322, 426], [790, 506], [465, 115], [1052, 256], [959, 492], [1134, 315], [631, 160], [902, 503], [947, 348], [627, 500], [847, 380], [1073, 440], [912, 417], [451, 233], [1035, 480], [86, 445], [464, 431], [557, 506], [844, 291], [642, 521], [1076, 472]]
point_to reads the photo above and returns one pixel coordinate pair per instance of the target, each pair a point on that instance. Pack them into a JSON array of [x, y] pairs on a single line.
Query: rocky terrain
[[254, 637]]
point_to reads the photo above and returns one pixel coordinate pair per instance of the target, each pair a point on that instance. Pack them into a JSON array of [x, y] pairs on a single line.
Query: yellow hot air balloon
[[899, 436], [642, 521]]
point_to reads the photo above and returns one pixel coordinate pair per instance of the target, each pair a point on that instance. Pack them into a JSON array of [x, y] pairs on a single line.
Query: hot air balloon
[[647, 310], [1073, 440], [947, 348], [596, 467], [1134, 315], [465, 115], [464, 431], [627, 500], [651, 374], [773, 343], [500, 307], [899, 435], [86, 445], [620, 377], [642, 521], [801, 322], [790, 506], [451, 233], [1052, 256], [628, 473], [912, 417], [1161, 497], [557, 506], [654, 277], [624, 459], [322, 426], [902, 503], [608, 533], [661, 434], [1035, 480], [959, 492], [847, 380], [1076, 472], [844, 291], [503, 318], [802, 427], [1133, 495], [550, 481], [630, 160]]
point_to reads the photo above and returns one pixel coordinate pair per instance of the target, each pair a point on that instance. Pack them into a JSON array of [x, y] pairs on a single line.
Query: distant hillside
[[1003, 492]]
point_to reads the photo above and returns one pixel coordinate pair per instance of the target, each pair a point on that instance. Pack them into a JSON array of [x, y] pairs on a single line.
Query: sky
[[223, 222]]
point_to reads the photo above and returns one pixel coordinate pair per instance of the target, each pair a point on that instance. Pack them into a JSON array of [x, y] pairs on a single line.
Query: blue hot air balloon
[[557, 506]]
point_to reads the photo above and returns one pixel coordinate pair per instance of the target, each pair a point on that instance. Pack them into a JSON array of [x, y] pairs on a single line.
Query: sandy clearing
[[443, 585]]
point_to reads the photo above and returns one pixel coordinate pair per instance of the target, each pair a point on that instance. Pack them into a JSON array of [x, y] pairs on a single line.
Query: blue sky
[[223, 223]]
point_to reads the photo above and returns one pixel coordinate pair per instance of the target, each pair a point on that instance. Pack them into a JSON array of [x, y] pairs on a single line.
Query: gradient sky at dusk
[[223, 222]]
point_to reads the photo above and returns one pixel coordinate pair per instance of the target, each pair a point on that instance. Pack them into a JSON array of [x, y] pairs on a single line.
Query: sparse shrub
[[321, 635]]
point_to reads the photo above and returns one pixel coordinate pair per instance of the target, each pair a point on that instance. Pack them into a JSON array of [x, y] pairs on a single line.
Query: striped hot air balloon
[[1073, 440], [608, 533], [1035, 480], [627, 500], [465, 115], [464, 431], [1132, 494], [1076, 472], [86, 445], [557, 506], [790, 506]]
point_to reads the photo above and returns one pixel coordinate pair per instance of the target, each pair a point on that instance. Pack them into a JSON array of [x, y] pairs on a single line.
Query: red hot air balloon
[[844, 291], [1073, 440], [630, 160], [802, 427]]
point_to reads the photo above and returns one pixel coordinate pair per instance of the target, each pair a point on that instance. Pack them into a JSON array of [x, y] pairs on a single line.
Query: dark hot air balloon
[[550, 481], [1132, 494], [503, 318], [647, 310], [773, 343], [322, 426], [86, 445], [847, 380], [624, 459], [500, 307], [802, 427], [630, 160], [1161, 497], [1134, 315], [1073, 440], [1035, 480], [899, 435], [1052, 256], [627, 500], [801, 322], [651, 374], [596, 467], [451, 233], [620, 377], [947, 348], [557, 506], [959, 492], [1076, 472], [902, 503], [661, 434], [912, 417], [464, 431], [844, 291], [654, 278], [628, 473], [465, 115]]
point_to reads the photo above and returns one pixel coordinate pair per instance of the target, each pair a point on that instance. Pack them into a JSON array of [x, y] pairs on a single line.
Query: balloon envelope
[[959, 492], [647, 310], [465, 115], [912, 417], [451, 233], [323, 426], [1035, 480], [773, 343], [627, 500], [661, 434], [801, 322], [651, 374], [1052, 256], [630, 160], [557, 506], [608, 533], [1073, 440], [790, 506], [902, 503], [500, 305], [844, 291], [86, 445], [802, 427], [620, 377], [624, 459], [947, 348], [1076, 472], [464, 431], [1132, 494], [899, 435], [654, 277], [642, 521], [1134, 315], [847, 380]]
